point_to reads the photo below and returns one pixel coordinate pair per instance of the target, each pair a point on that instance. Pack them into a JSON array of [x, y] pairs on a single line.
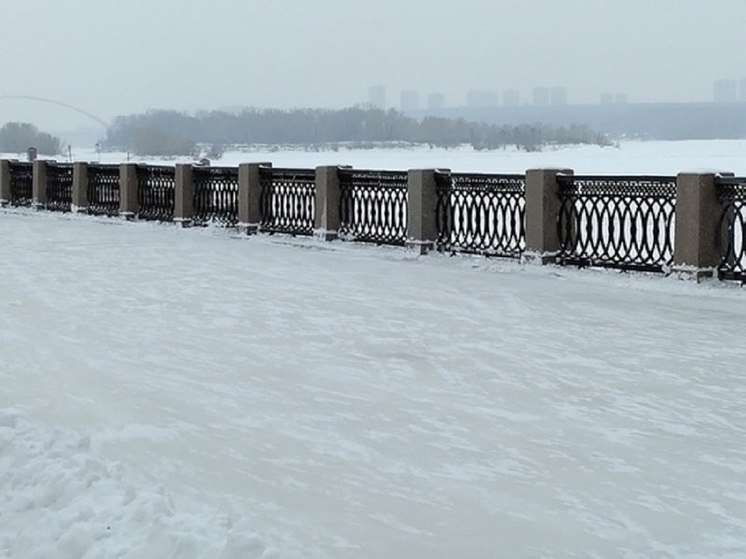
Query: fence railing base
[[420, 247], [325, 235], [183, 222], [247, 228], [691, 273], [538, 258]]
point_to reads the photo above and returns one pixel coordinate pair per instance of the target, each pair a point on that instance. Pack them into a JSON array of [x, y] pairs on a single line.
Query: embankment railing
[[619, 222], [59, 187], [691, 225], [215, 197], [373, 206], [287, 200], [21, 179], [156, 188], [102, 189], [481, 213], [732, 228]]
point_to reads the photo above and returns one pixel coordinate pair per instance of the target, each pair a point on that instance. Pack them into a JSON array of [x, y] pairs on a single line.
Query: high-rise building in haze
[[377, 96], [724, 91], [742, 90], [410, 100], [436, 101]]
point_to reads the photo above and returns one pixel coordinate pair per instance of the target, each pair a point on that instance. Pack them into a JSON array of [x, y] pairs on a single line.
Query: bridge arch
[[78, 110]]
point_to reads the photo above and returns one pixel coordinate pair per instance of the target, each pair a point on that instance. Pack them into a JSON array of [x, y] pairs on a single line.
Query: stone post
[[422, 202], [327, 219], [542, 211], [184, 194], [39, 184], [696, 254], [249, 196], [80, 187], [128, 202], [5, 194]]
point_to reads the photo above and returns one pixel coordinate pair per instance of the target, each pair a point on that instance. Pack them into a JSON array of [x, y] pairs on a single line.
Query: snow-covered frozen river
[[191, 393], [630, 157]]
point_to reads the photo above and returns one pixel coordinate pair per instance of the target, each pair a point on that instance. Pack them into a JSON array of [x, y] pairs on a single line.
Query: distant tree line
[[17, 137], [176, 133]]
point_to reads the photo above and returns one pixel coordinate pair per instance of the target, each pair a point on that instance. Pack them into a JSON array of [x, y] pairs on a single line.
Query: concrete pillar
[[5, 194], [128, 203], [696, 254], [184, 194], [39, 185], [542, 211], [249, 195], [327, 219], [80, 187], [422, 203]]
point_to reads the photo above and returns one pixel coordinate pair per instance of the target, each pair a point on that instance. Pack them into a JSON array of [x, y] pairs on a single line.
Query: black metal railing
[[287, 200], [483, 214], [103, 189], [215, 197], [156, 187], [21, 183], [59, 187], [373, 206], [732, 228], [617, 222]]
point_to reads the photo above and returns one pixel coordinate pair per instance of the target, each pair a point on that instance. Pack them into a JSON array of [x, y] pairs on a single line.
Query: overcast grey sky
[[117, 57]]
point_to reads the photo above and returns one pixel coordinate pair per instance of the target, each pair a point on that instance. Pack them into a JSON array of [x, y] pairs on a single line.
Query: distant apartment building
[[410, 100], [436, 101], [607, 99], [541, 96], [377, 96], [621, 99], [511, 98], [725, 91], [742, 91]]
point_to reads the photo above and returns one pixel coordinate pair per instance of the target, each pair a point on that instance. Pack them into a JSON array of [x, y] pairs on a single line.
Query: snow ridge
[[59, 499]]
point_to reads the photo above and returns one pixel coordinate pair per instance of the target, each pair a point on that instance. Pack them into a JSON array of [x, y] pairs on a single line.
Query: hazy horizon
[[130, 57]]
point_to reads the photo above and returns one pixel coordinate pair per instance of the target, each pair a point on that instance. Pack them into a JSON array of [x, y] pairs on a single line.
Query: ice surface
[[302, 399], [630, 157]]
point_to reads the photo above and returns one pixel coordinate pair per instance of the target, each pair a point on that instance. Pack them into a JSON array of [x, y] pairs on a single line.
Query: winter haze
[[111, 58]]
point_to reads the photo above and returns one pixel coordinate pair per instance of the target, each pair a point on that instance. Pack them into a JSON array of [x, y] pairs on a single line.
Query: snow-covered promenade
[[279, 397]]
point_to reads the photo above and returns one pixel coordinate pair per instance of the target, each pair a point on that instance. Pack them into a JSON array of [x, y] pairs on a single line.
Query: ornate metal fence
[[59, 187], [21, 183], [482, 214], [373, 206], [288, 200], [156, 187], [103, 189], [618, 222], [215, 195], [732, 228]]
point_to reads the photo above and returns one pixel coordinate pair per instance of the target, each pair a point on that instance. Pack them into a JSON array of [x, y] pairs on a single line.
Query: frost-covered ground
[[192, 393]]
